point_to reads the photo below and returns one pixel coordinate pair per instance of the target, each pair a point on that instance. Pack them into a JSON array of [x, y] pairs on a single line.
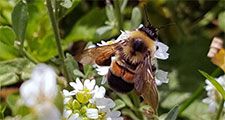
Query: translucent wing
[[100, 55], [145, 85]]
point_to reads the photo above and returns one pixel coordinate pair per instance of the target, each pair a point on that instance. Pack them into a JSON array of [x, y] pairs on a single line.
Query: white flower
[[214, 96], [92, 113], [47, 111], [161, 77], [91, 97], [113, 115], [40, 91], [70, 116], [67, 96], [99, 92], [79, 86], [102, 70], [104, 103], [123, 36], [161, 52]]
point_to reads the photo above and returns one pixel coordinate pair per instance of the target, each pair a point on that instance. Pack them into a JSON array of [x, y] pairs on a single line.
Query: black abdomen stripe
[[118, 84]]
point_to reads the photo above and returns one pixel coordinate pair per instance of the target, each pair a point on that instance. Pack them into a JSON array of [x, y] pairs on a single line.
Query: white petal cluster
[[214, 96], [161, 52], [161, 77], [40, 91], [101, 106]]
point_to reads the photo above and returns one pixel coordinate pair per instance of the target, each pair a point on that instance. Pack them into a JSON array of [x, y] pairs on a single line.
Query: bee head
[[150, 31], [139, 45]]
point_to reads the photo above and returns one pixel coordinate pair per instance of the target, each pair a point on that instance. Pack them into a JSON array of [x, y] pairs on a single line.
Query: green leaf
[[20, 19], [129, 113], [136, 18], [17, 108], [7, 38], [126, 100], [104, 31], [85, 28], [214, 82], [15, 70], [119, 104], [172, 115], [2, 110], [45, 48], [78, 73], [71, 66], [66, 7], [221, 20], [7, 35], [123, 5]]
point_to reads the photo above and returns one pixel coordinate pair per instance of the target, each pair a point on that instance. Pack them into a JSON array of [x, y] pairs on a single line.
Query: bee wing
[[145, 85], [98, 55]]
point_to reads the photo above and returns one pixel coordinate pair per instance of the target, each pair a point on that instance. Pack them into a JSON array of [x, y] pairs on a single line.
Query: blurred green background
[[186, 26]]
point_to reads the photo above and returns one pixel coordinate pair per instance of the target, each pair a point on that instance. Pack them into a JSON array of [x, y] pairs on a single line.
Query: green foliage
[[172, 115], [214, 82], [15, 71], [19, 20], [136, 18], [7, 39], [85, 28], [221, 20]]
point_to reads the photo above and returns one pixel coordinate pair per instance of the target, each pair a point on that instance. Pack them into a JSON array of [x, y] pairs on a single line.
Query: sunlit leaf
[[20, 19], [214, 83], [172, 115]]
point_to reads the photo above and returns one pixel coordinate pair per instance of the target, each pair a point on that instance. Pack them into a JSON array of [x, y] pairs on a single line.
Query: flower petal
[[161, 77], [78, 85], [47, 111], [29, 92], [45, 78], [104, 103], [123, 36], [102, 70], [89, 84], [161, 52], [92, 113]]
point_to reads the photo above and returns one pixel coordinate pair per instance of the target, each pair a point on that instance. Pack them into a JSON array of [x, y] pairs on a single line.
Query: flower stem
[[220, 110], [57, 37]]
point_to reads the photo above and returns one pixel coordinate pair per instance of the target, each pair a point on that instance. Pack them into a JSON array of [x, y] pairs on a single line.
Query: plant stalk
[[57, 38], [220, 110]]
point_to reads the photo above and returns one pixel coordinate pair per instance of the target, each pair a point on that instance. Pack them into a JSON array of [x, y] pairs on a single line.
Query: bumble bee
[[132, 67]]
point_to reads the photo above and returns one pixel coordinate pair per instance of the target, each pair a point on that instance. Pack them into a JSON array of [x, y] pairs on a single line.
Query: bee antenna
[[147, 17], [166, 25]]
